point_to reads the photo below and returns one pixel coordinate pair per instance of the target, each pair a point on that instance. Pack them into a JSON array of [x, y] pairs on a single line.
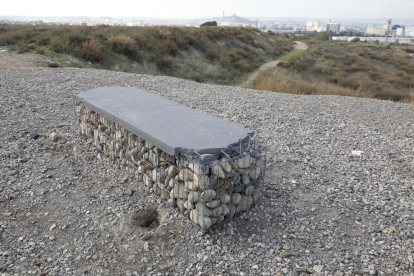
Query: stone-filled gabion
[[207, 189]]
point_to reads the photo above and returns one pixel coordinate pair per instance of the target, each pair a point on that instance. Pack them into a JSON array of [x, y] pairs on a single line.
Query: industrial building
[[404, 31], [312, 26], [333, 27], [378, 30]]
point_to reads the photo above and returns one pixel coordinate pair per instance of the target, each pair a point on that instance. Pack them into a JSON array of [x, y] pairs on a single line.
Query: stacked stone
[[207, 193]]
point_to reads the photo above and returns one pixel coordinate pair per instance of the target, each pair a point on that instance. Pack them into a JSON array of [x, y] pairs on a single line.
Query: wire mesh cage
[[208, 189]]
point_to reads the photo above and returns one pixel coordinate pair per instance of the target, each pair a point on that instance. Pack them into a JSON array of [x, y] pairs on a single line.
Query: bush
[[122, 44], [76, 38], [211, 52], [23, 48], [59, 45], [40, 49], [91, 51]]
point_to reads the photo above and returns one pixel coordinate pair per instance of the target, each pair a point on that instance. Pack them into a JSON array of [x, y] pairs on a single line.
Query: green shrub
[[122, 44], [76, 39], [91, 51], [23, 48], [59, 45], [44, 40]]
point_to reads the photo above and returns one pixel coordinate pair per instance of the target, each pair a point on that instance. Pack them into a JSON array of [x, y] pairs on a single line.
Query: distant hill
[[233, 19]]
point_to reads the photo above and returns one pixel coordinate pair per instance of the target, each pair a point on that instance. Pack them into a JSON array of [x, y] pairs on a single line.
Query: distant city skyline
[[213, 8]]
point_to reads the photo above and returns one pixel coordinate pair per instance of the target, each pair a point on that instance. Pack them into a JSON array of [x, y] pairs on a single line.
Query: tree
[[209, 23]]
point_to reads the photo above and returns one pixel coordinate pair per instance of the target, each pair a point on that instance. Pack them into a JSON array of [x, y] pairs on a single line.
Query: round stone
[[194, 215], [204, 222], [192, 197], [232, 210], [249, 190], [225, 198], [245, 179], [225, 165], [188, 205], [244, 162], [201, 181], [225, 209], [185, 175], [213, 204], [208, 194], [254, 173], [235, 198]]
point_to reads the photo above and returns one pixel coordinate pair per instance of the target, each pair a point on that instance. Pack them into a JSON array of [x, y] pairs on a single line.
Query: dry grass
[[154, 50], [353, 69], [288, 55], [279, 80]]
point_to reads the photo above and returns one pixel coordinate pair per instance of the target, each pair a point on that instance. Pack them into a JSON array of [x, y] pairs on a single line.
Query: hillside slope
[[349, 69], [324, 210], [210, 54]]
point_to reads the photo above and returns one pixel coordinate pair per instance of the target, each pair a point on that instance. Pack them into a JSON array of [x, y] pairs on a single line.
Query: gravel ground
[[63, 210]]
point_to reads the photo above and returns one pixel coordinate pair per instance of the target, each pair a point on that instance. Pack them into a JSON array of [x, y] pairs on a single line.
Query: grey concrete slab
[[170, 126]]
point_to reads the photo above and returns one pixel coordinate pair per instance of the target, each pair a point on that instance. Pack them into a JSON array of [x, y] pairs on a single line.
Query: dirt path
[[299, 45], [12, 59]]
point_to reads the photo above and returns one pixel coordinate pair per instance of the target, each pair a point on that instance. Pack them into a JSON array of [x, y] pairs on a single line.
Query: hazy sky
[[210, 8]]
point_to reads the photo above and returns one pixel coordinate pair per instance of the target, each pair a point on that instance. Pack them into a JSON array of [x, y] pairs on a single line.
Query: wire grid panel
[[207, 193]]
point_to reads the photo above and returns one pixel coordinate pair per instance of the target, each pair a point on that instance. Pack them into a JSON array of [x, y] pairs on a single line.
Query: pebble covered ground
[[66, 210]]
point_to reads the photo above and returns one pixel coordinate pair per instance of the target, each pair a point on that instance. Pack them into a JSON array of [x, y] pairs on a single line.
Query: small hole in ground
[[149, 218]]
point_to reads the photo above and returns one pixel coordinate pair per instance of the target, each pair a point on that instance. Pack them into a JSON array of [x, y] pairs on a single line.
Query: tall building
[[332, 26], [312, 26]]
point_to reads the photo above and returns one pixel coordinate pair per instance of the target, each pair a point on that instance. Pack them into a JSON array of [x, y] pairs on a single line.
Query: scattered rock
[[53, 226], [318, 268], [129, 192], [33, 135], [53, 136]]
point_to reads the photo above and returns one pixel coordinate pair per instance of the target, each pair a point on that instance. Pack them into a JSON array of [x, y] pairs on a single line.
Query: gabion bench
[[207, 168]]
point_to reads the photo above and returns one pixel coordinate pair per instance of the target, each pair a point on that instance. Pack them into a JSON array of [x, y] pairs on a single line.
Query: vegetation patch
[[349, 69], [288, 55], [210, 54]]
